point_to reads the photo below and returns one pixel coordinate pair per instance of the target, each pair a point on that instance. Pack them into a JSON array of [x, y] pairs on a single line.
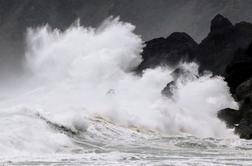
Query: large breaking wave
[[84, 73]]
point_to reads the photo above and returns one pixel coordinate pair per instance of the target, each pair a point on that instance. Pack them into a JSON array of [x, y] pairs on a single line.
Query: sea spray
[[82, 73]]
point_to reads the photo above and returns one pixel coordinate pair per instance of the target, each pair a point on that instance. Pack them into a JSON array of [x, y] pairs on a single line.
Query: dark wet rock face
[[239, 79], [171, 86], [214, 53], [230, 116], [244, 129], [217, 50], [239, 69], [169, 89], [226, 51], [220, 24], [244, 90], [168, 51], [180, 74]]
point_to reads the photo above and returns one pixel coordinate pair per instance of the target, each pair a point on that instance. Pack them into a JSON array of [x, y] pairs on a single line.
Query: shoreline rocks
[[177, 47], [226, 51]]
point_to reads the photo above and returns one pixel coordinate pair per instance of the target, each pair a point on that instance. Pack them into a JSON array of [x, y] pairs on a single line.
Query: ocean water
[[124, 146], [78, 102]]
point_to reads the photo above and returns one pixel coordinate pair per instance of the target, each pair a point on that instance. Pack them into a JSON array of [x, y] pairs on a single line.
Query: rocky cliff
[[226, 51]]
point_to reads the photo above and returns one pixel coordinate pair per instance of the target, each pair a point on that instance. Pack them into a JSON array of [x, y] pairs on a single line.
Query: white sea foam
[[83, 73]]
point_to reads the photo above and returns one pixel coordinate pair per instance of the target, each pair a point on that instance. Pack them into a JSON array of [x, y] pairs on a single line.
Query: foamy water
[[79, 102]]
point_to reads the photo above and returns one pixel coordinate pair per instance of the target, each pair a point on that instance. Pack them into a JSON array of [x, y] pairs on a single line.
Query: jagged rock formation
[[239, 69], [225, 51], [214, 53], [239, 78], [217, 50], [168, 51], [232, 117], [180, 74]]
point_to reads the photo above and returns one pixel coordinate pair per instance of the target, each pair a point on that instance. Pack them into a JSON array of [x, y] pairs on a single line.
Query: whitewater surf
[[79, 101]]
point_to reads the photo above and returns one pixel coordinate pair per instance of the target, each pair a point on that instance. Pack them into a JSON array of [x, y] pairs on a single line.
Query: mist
[[71, 77]]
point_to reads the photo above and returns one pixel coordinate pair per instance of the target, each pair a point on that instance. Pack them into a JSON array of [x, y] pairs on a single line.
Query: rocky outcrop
[[168, 51], [214, 53], [226, 51], [230, 116], [180, 74], [239, 78], [239, 69], [218, 49]]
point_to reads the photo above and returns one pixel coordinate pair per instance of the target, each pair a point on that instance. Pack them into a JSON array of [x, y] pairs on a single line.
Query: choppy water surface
[[103, 143]]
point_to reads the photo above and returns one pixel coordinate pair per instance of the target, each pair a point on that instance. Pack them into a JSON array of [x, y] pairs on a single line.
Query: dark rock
[[220, 24], [249, 50], [230, 116], [179, 74], [214, 53], [239, 70], [218, 49], [244, 90], [245, 127], [169, 88], [226, 51], [239, 79], [168, 51], [240, 119]]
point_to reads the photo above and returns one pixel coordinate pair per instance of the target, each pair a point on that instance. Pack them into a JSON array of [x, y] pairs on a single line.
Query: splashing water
[[80, 82]]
